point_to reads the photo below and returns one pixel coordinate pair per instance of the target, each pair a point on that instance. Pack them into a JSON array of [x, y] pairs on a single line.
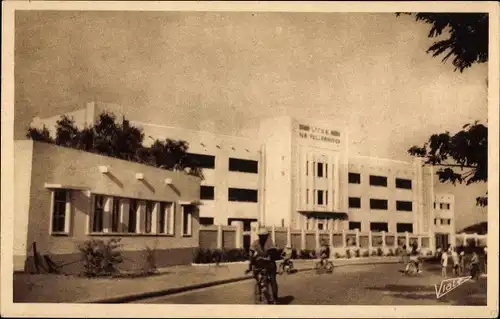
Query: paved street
[[352, 285]]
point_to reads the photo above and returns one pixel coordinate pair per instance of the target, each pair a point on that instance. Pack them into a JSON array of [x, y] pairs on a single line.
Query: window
[[148, 217], [435, 221], [187, 216], [378, 204], [378, 227], [378, 180], [115, 215], [207, 192], [354, 178], [247, 222], [354, 225], [444, 206], [320, 226], [242, 195], [354, 202], [404, 206], [307, 168], [166, 219], [320, 170], [206, 221], [403, 183], [307, 196], [319, 197], [201, 160], [404, 227], [132, 216], [445, 221], [60, 210], [326, 197], [326, 170], [98, 214], [245, 166]]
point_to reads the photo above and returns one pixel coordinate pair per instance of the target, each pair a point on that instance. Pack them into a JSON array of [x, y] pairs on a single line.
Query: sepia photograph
[[238, 156]]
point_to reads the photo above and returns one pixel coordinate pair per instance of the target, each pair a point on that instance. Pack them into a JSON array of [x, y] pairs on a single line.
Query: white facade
[[299, 175]]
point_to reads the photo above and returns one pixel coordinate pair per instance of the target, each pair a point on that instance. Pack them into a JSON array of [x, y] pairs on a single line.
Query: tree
[[120, 140], [461, 158], [468, 36], [40, 135]]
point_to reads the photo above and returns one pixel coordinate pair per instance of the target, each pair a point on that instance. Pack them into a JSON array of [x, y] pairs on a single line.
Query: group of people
[[458, 262], [263, 255]]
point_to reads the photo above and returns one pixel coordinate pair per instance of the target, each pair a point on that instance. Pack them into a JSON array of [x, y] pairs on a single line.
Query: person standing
[[444, 263], [455, 260]]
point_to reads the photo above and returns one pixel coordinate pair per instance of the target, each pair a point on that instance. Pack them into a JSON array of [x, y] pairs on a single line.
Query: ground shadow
[[285, 300]]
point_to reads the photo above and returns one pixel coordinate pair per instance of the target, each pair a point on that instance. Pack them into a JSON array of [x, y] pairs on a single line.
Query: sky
[[223, 72]]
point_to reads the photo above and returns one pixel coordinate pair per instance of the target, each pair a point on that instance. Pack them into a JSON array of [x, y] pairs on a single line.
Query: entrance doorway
[[442, 241]]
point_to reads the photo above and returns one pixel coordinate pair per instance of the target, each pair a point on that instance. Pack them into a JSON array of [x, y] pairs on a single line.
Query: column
[[343, 239], [106, 218], [124, 215], [289, 236], [154, 218], [238, 234], [357, 238], [273, 233], [310, 180], [330, 238], [407, 240], [253, 231], [316, 237], [419, 241], [302, 239], [370, 241], [331, 224], [464, 238], [219, 236], [141, 214], [331, 187], [383, 240]]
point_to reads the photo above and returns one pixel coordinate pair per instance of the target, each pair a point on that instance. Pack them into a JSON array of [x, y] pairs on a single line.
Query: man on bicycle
[[324, 252], [262, 254]]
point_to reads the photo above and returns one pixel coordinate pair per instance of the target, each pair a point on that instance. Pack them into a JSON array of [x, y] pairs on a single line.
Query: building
[[299, 173], [64, 197]]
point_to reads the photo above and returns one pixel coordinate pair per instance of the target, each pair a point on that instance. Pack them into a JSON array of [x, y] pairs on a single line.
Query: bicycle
[[324, 266], [286, 268], [262, 288]]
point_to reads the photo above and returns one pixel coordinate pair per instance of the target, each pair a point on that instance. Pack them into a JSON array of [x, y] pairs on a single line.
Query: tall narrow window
[[319, 197], [98, 216], [326, 197], [148, 217], [307, 168], [115, 215], [132, 217], [320, 170], [187, 216], [326, 170], [307, 196], [60, 212], [166, 219]]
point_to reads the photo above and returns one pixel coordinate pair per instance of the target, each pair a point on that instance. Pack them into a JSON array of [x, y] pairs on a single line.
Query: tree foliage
[[467, 40], [461, 158], [120, 140]]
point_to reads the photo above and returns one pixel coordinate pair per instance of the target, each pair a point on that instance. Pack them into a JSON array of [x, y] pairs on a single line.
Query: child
[[456, 263], [287, 255], [444, 263]]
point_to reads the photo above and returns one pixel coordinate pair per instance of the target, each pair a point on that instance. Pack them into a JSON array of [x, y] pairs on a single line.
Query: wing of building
[[298, 173]]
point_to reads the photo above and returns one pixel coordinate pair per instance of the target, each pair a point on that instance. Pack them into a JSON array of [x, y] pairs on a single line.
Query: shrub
[[150, 266], [348, 253], [357, 253], [429, 253], [207, 256], [391, 253], [380, 252], [337, 255], [366, 253], [373, 253], [398, 251], [100, 258]]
